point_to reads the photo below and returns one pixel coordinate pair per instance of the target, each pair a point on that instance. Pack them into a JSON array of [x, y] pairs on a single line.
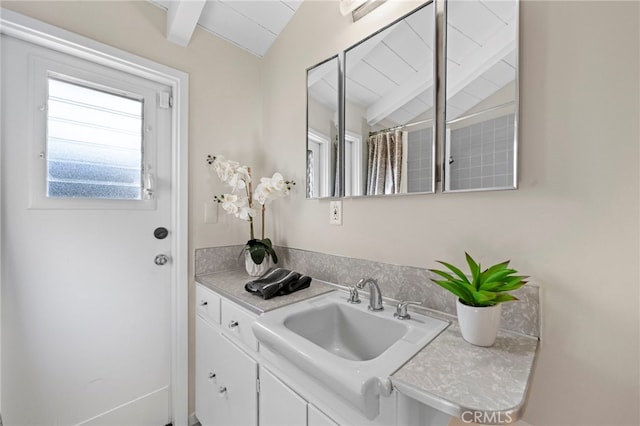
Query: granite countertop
[[231, 285], [464, 380], [489, 385]]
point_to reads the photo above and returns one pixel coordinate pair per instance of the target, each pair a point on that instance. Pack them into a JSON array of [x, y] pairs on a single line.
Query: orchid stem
[[264, 209], [249, 189]]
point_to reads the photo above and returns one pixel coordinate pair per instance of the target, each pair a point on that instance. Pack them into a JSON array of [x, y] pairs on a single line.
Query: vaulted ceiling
[[249, 24], [390, 75]]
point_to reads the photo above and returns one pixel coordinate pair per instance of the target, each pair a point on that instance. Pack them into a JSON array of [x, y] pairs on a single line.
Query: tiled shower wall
[[420, 162], [482, 154], [396, 282]]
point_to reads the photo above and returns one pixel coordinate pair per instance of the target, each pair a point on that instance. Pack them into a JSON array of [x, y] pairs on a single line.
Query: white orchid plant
[[242, 199]]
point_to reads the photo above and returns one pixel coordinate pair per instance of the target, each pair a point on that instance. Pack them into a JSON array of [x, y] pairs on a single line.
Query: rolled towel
[[302, 282], [270, 284]]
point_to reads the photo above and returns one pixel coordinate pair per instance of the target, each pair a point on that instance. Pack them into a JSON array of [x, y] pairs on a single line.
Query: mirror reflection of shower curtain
[[310, 180], [384, 162]]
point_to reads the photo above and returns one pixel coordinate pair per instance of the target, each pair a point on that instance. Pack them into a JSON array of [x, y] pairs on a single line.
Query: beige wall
[[573, 225]]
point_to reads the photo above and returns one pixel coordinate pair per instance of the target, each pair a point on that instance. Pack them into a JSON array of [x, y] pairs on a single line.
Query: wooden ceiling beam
[[182, 18]]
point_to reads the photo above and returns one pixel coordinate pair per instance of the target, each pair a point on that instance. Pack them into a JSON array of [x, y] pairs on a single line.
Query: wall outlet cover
[[335, 212]]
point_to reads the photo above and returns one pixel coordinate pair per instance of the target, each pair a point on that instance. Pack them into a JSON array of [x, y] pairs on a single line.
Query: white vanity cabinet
[[279, 405], [226, 376], [235, 385], [316, 417]]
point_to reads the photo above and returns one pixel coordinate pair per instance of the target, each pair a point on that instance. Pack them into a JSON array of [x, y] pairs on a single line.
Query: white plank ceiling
[[252, 25], [390, 75]]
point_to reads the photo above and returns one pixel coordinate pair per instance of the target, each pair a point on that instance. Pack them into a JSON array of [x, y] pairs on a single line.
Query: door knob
[[161, 259]]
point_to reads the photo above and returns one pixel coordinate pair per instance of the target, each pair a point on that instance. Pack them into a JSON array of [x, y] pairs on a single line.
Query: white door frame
[[42, 34]]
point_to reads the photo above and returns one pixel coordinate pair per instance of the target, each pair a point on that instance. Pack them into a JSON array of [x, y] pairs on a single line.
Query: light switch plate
[[211, 212], [335, 212]]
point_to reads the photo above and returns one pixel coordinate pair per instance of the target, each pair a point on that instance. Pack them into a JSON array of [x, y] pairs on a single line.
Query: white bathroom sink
[[346, 347], [346, 332]]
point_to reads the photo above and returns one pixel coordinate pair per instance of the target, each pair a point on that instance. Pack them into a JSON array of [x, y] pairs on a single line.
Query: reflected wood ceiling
[[390, 75]]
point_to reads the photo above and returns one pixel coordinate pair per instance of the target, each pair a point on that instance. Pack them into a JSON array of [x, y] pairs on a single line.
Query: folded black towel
[[276, 282]]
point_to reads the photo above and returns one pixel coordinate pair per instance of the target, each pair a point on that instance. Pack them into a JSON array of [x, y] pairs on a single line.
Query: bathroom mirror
[[322, 129], [389, 109], [480, 147]]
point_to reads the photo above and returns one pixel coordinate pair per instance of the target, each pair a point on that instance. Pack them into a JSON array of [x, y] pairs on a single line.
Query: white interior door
[[85, 309]]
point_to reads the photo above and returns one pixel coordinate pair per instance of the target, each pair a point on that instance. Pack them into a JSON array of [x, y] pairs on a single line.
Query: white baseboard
[[147, 409], [193, 420]]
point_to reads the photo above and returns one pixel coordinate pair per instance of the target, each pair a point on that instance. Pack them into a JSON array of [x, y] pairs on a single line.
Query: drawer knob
[[222, 390], [233, 324], [212, 375], [203, 303]]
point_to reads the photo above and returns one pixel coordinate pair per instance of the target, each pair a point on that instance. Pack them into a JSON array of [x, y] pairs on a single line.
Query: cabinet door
[[206, 372], [226, 380], [236, 402], [279, 405], [318, 418]]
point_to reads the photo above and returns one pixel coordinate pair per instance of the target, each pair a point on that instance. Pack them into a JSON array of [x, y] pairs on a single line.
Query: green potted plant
[[241, 202], [480, 296]]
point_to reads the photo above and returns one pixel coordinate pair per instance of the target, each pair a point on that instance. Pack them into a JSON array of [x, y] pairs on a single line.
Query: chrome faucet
[[375, 297]]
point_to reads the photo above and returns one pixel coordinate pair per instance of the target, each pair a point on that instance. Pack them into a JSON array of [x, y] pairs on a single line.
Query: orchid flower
[[272, 188], [240, 202]]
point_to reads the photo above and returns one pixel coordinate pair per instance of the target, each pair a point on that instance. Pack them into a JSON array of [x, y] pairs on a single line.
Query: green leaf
[[443, 274], [495, 268], [513, 283], [257, 252], [473, 266], [504, 297], [475, 269], [273, 254], [484, 298], [456, 289], [455, 270], [466, 284], [498, 276], [491, 286]]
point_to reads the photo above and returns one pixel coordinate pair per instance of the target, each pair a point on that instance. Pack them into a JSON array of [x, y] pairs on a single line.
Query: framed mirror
[[480, 147], [389, 109], [322, 129]]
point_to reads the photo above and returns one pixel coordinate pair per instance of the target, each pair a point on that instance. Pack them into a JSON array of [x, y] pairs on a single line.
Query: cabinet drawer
[[207, 304], [236, 322]]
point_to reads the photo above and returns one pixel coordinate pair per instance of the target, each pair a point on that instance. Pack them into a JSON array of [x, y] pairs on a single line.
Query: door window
[[94, 142]]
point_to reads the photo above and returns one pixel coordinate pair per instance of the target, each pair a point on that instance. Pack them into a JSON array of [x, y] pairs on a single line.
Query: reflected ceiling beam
[[480, 61], [400, 96], [182, 18], [355, 56], [471, 68]]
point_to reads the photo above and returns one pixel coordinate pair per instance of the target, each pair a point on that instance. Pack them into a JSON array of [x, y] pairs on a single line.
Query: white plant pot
[[253, 268], [479, 326]]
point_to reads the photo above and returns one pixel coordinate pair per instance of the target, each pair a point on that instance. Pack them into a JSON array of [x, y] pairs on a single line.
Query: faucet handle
[[354, 297], [401, 311]]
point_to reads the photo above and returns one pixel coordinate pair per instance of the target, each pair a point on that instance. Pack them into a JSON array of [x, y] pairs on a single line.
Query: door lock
[[161, 259], [160, 233]]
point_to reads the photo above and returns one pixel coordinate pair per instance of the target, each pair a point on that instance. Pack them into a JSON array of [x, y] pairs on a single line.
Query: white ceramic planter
[[254, 269], [479, 326]]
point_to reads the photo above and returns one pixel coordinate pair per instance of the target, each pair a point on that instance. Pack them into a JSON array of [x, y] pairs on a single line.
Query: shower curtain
[[385, 165]]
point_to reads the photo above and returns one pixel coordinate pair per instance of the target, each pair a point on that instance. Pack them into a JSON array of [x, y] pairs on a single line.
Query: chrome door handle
[[161, 259]]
